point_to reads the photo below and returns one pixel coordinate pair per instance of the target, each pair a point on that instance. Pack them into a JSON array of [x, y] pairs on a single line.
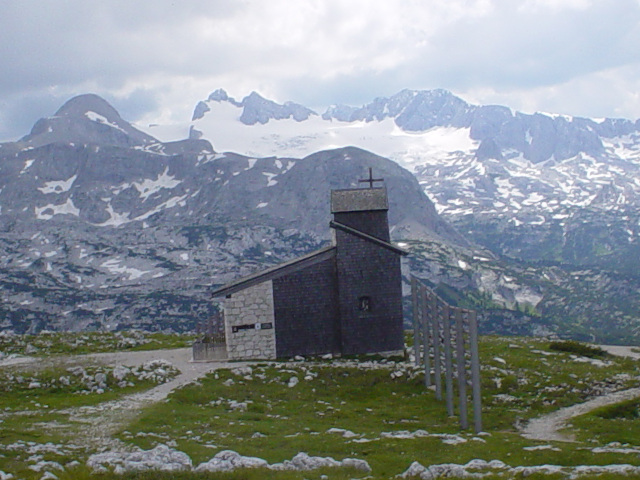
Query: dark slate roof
[[276, 272], [359, 200], [366, 236]]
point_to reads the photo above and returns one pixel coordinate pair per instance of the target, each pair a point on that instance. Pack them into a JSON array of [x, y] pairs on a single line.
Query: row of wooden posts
[[440, 330]]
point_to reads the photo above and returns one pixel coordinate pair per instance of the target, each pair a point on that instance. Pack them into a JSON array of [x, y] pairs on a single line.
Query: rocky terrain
[[145, 412], [536, 187], [558, 194], [106, 227]]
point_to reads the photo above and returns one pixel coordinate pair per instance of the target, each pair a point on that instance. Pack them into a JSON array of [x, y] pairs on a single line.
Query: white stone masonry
[[251, 312]]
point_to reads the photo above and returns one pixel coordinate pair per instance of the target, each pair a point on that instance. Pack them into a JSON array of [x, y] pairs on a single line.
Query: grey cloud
[[514, 48], [52, 50], [45, 43]]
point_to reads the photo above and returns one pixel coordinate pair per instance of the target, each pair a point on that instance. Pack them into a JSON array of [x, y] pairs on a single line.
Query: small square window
[[364, 304]]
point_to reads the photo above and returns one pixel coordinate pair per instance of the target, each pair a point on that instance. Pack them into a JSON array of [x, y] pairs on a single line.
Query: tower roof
[[359, 200]]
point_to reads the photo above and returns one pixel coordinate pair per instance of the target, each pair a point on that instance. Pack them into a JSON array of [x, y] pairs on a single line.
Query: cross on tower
[[370, 180]]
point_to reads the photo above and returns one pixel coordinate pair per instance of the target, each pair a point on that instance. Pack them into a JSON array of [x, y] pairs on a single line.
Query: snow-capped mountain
[[104, 226], [497, 174]]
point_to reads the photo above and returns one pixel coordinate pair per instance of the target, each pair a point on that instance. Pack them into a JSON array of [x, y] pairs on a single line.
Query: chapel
[[343, 299]]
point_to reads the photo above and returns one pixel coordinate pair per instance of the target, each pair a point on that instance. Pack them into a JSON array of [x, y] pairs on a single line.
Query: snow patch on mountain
[[58, 186], [96, 117], [148, 187], [115, 219], [48, 211]]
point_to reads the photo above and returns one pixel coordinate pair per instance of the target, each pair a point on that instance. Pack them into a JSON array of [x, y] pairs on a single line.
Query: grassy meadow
[[368, 408]]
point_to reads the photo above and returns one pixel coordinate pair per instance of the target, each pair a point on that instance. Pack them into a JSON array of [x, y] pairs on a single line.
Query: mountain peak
[[90, 102], [86, 119], [258, 109], [219, 95]]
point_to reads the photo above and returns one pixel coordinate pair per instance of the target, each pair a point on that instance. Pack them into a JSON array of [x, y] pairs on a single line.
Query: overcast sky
[[153, 60]]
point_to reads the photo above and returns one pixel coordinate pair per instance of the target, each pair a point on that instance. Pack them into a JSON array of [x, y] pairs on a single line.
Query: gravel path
[[102, 421], [547, 427]]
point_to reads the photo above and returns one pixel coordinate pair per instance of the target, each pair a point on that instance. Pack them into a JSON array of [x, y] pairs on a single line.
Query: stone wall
[[250, 323]]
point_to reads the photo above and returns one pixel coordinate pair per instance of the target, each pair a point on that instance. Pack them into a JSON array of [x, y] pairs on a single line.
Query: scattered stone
[[343, 432], [593, 361], [120, 372], [242, 371], [471, 470], [101, 380], [43, 465], [237, 405], [356, 464], [160, 458], [451, 439], [616, 447], [505, 398], [405, 434], [542, 447], [228, 460], [302, 461], [293, 381], [537, 469]]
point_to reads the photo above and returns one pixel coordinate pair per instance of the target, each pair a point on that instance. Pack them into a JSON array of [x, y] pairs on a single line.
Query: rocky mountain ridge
[[127, 230], [535, 187], [104, 226]]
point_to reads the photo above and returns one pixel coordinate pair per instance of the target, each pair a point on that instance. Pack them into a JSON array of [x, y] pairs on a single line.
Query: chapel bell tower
[[368, 270]]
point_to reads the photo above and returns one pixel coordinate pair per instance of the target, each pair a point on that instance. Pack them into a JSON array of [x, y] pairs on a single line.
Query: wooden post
[[436, 351], [414, 299], [462, 377], [426, 322], [475, 372], [448, 364]]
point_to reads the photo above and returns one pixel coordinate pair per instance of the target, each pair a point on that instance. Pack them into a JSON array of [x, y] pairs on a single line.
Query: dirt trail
[[547, 427], [105, 419]]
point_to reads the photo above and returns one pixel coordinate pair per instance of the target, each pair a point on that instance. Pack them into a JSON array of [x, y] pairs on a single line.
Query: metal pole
[[475, 372], [462, 380], [448, 364], [414, 298], [426, 322], [436, 352]]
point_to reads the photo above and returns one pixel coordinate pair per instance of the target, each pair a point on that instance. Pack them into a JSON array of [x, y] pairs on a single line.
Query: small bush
[[578, 348], [509, 384], [629, 409]]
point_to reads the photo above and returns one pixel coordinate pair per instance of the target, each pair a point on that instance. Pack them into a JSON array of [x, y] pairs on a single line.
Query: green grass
[[68, 343], [618, 423], [521, 379]]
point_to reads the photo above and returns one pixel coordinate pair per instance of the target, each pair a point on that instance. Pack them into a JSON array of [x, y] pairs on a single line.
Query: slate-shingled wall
[[367, 270], [306, 311]]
